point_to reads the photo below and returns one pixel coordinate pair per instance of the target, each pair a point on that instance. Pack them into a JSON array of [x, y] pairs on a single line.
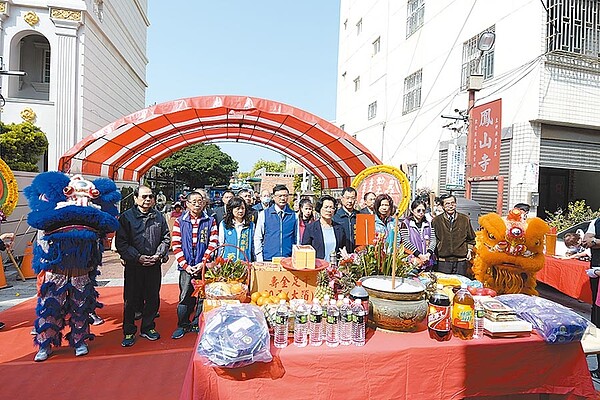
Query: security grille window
[[574, 26], [359, 27], [357, 84], [46, 72], [473, 62], [412, 92], [372, 110], [415, 13], [377, 46]]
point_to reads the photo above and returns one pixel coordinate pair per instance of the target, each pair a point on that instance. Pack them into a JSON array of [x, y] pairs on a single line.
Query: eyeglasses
[[147, 196], [195, 202], [420, 210]]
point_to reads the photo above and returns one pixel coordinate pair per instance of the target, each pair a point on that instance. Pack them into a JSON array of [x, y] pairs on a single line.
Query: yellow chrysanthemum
[[9, 190]]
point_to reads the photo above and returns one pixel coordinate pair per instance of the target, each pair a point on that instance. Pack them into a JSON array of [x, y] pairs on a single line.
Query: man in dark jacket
[[455, 238], [346, 216], [142, 241]]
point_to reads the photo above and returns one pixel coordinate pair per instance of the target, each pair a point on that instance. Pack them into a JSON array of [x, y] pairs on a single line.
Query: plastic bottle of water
[[316, 325], [358, 323], [479, 315], [281, 325], [333, 326], [346, 323], [324, 306], [301, 325]]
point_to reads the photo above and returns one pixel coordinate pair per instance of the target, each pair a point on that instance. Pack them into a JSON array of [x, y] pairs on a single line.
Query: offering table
[[402, 366], [567, 276]]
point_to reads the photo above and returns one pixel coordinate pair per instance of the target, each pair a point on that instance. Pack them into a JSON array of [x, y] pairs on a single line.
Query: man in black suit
[[220, 211], [369, 207]]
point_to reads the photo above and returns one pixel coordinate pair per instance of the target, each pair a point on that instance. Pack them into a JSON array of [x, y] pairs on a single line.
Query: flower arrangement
[[227, 270], [373, 259]]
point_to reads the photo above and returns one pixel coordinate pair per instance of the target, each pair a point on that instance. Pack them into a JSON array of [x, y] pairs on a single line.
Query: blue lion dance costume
[[73, 216]]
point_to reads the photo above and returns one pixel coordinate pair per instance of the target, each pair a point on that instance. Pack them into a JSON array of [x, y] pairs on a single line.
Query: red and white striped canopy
[[127, 148]]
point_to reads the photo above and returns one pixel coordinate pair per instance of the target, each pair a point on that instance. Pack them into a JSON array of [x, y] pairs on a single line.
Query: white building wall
[[436, 48], [109, 61]]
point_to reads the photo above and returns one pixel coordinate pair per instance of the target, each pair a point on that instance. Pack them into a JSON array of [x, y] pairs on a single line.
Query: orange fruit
[[267, 300], [261, 300], [274, 299], [265, 293], [254, 296], [282, 295]]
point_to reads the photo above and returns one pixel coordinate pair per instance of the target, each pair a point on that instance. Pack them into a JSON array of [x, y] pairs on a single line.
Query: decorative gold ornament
[[2, 7], [31, 18], [9, 190], [384, 179], [61, 13], [28, 115]]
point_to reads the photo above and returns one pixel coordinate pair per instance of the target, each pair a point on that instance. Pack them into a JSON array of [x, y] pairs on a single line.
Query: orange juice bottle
[[463, 314]]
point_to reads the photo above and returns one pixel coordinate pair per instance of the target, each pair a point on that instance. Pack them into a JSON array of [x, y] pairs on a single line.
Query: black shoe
[[595, 373], [137, 315], [128, 341], [150, 334], [2, 325]]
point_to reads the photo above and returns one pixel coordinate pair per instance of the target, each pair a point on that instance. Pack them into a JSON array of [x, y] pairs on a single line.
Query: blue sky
[[279, 50]]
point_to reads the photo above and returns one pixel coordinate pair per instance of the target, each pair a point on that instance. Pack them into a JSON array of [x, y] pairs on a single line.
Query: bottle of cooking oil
[[463, 314]]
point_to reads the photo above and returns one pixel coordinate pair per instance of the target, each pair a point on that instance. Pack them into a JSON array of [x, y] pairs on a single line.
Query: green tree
[[576, 212], [270, 166], [22, 145], [200, 165]]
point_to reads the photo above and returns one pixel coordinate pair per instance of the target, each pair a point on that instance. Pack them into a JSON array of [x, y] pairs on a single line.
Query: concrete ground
[[112, 275]]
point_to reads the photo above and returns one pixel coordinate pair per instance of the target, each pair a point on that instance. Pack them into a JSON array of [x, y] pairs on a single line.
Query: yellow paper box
[[274, 279]]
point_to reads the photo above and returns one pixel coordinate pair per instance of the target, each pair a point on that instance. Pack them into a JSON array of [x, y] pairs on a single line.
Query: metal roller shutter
[[561, 154]]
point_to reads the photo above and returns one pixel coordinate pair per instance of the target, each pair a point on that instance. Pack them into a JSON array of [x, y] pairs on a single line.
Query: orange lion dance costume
[[509, 252]]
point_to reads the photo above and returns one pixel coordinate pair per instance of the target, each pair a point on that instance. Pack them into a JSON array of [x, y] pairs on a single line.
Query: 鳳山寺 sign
[[485, 139]]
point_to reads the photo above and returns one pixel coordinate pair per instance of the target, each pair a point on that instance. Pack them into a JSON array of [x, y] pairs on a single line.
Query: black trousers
[[141, 292], [595, 312], [187, 304], [452, 267]]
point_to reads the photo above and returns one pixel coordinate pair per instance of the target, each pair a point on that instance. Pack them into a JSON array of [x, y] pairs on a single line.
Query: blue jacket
[[279, 234], [194, 254], [244, 242], [313, 235]]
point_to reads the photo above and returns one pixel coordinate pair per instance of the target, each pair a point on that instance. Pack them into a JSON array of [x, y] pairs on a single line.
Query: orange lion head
[[509, 252]]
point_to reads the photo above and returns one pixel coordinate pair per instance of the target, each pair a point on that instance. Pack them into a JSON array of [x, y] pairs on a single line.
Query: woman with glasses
[[325, 235], [418, 236], [236, 229]]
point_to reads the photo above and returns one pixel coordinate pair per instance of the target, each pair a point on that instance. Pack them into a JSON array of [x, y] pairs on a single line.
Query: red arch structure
[[127, 148]]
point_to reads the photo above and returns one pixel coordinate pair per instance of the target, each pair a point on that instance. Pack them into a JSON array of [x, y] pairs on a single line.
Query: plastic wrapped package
[[554, 322], [226, 291], [235, 336]]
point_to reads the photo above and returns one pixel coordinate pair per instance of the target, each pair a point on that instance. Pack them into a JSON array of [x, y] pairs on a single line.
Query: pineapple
[[323, 287]]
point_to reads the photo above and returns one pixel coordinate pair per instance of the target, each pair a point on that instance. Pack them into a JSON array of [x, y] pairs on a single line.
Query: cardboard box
[[274, 279], [303, 257]]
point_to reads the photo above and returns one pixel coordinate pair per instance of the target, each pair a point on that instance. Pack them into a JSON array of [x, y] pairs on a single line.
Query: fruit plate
[[319, 265]]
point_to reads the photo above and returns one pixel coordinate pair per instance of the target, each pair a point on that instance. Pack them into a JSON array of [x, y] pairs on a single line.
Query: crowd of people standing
[[263, 230]]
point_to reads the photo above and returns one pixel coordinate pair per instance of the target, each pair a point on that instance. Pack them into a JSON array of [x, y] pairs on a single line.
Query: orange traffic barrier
[[26, 267], [3, 283]]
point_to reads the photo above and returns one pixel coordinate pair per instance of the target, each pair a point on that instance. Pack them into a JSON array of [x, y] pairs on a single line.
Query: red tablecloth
[[401, 366], [567, 276]]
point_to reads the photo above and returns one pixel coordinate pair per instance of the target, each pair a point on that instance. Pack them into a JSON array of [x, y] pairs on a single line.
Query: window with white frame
[[372, 113], [415, 15], [412, 92], [574, 26], [357, 83], [377, 45], [474, 62], [359, 27]]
